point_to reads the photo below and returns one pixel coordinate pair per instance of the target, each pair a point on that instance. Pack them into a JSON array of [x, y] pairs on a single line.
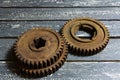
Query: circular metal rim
[[86, 49]]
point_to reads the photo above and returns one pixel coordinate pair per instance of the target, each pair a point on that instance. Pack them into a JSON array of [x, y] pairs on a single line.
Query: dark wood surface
[[17, 16]]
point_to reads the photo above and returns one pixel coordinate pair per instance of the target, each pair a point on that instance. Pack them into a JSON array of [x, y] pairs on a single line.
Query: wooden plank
[[58, 3], [15, 28], [58, 13], [111, 52], [71, 71]]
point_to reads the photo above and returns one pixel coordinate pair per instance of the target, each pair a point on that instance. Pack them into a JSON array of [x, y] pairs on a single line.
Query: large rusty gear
[[40, 49], [81, 46]]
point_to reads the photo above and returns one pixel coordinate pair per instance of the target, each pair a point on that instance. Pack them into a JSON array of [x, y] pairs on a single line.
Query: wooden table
[[17, 16]]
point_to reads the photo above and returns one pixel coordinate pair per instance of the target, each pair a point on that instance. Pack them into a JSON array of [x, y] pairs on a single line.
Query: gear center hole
[[40, 42], [85, 31]]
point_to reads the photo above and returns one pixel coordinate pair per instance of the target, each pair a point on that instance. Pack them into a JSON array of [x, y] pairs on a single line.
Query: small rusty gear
[[82, 46], [40, 48]]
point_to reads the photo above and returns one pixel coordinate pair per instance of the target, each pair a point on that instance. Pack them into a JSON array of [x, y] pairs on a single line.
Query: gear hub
[[97, 41], [40, 51]]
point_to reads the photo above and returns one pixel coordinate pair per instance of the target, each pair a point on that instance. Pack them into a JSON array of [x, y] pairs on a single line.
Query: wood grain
[[59, 3], [17, 16], [70, 71], [58, 13], [15, 28]]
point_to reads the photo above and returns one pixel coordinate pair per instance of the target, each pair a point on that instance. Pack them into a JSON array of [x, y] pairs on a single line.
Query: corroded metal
[[40, 51], [85, 46]]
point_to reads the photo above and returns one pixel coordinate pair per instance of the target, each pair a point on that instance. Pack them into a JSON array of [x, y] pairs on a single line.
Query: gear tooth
[[42, 73], [53, 69], [71, 47], [18, 56], [41, 64], [58, 55], [21, 59], [38, 65], [46, 72], [48, 63], [34, 72], [24, 61], [38, 72], [66, 51], [44, 64], [100, 48], [90, 51], [49, 71], [55, 58], [32, 63], [95, 50], [56, 67], [60, 64], [35, 64], [24, 70], [29, 71], [82, 51], [86, 51], [74, 48], [103, 46], [15, 52], [51, 60], [15, 45], [78, 50], [28, 62]]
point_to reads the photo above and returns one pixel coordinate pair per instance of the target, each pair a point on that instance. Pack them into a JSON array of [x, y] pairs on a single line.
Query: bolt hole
[[39, 43]]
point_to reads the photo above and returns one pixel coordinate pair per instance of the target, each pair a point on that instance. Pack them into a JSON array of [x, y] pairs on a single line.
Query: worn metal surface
[[17, 16]]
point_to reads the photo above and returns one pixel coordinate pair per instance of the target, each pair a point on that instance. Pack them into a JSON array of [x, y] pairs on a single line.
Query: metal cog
[[85, 46], [39, 48]]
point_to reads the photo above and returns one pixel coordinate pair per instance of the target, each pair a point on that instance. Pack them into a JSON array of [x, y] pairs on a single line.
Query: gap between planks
[[15, 37], [82, 61]]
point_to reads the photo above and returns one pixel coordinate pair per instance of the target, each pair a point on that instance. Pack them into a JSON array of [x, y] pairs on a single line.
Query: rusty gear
[[40, 49], [81, 46]]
